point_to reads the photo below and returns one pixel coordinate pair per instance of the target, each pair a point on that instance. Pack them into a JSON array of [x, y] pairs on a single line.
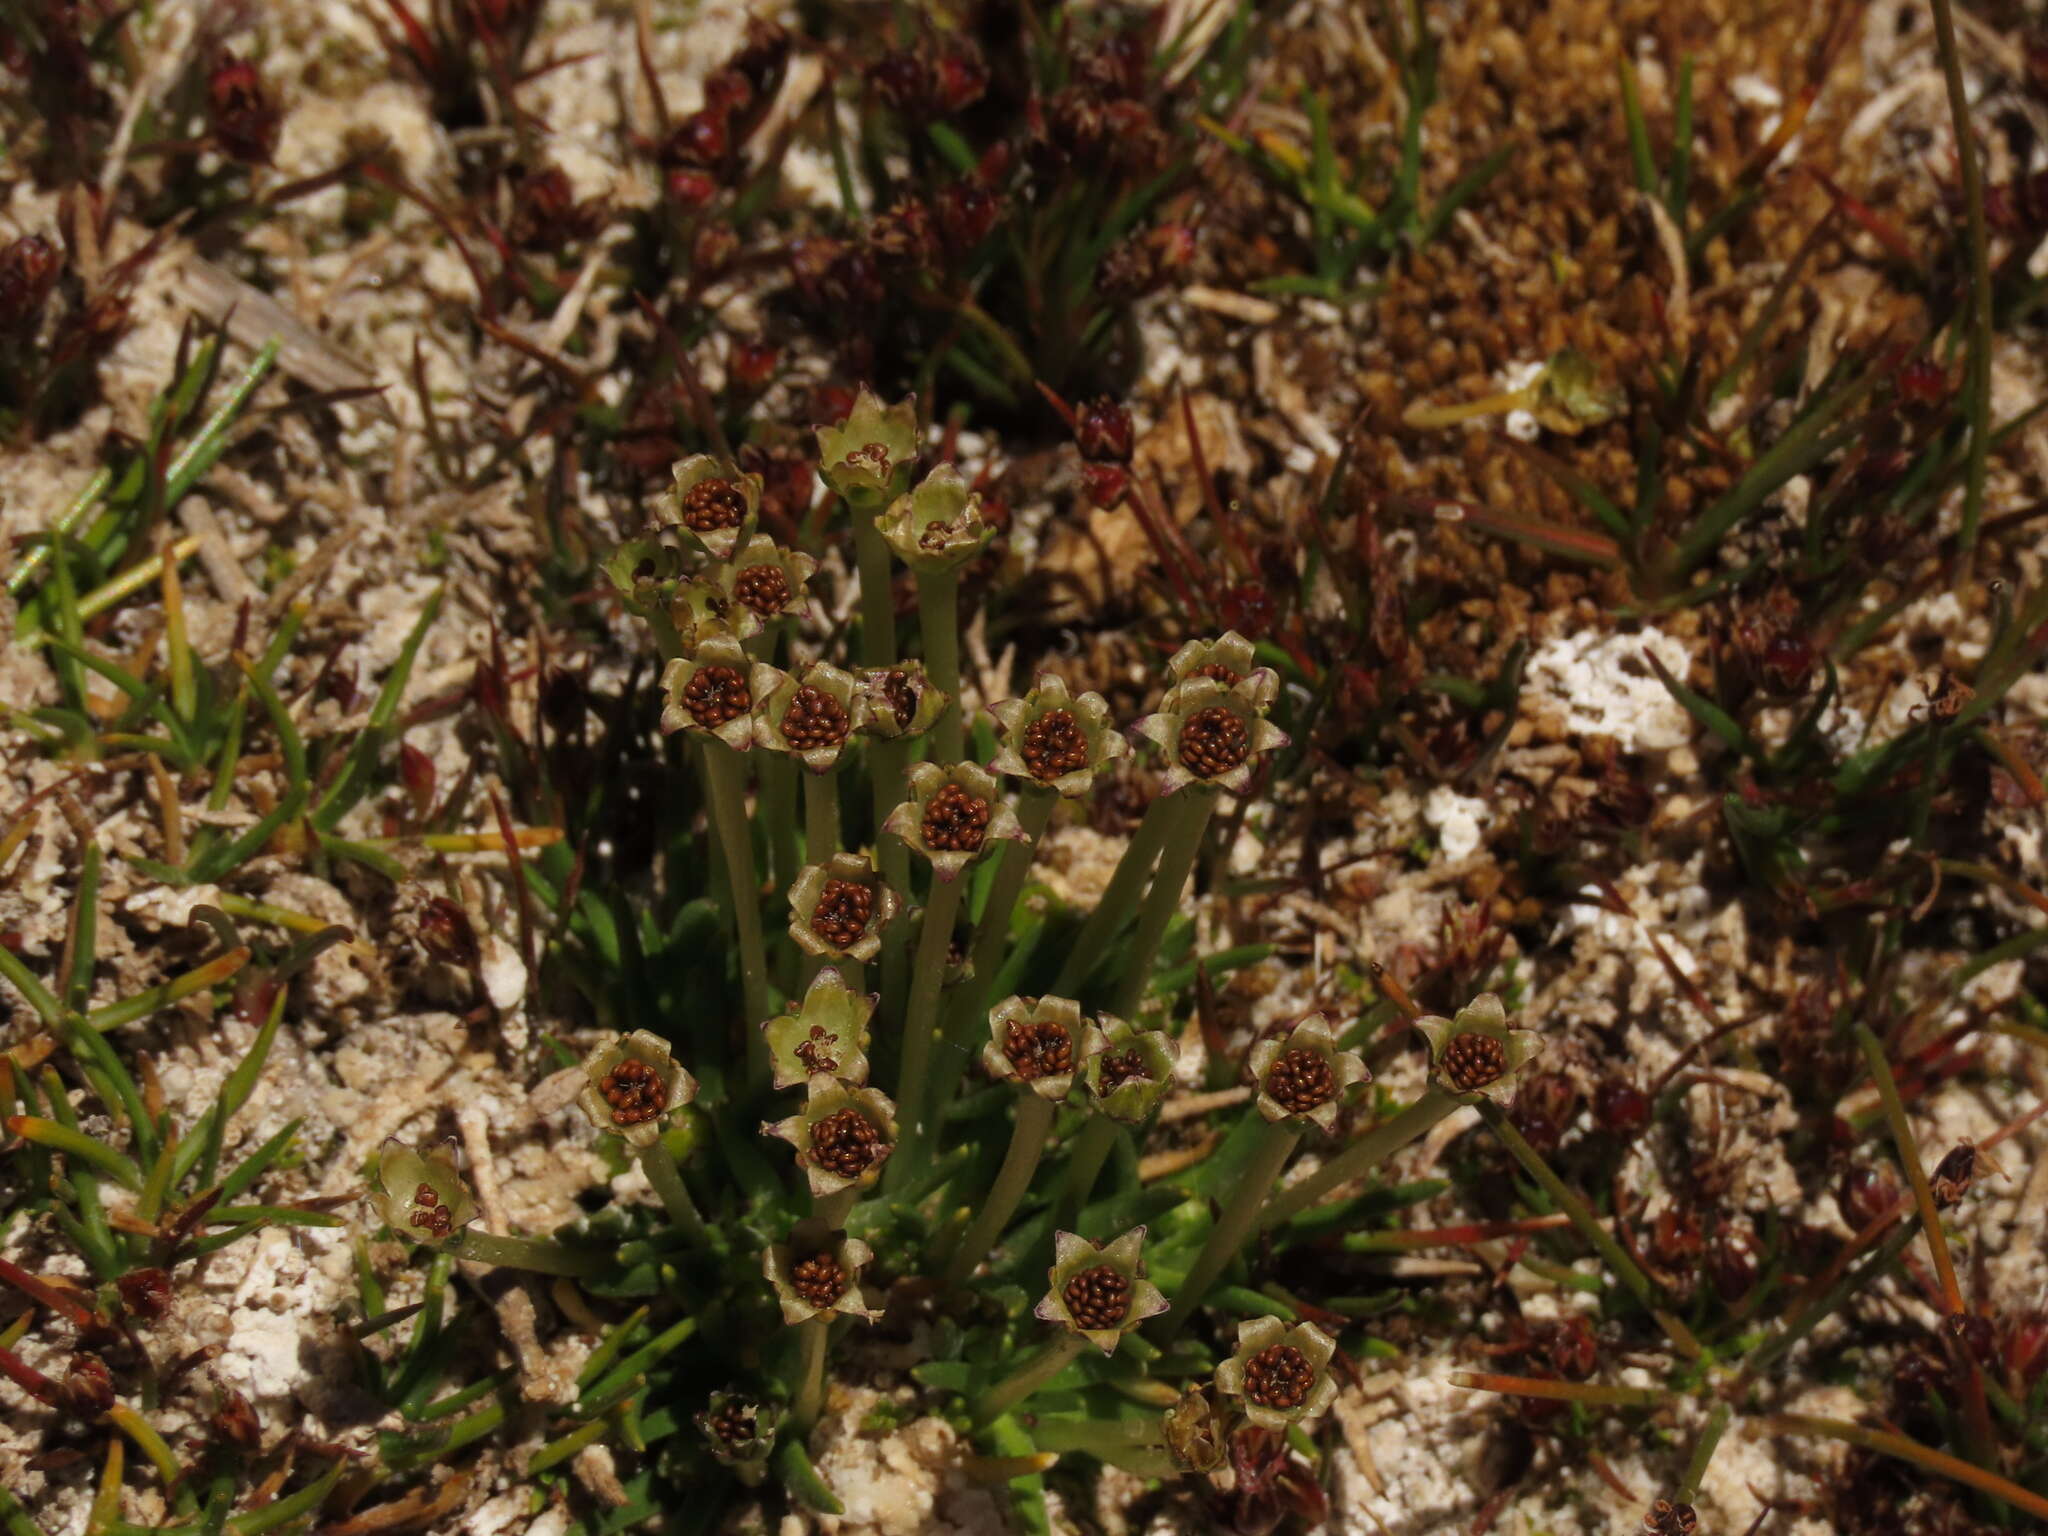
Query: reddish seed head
[[763, 588], [1213, 741], [1472, 1061], [29, 268], [1107, 484], [1668, 1518], [1054, 744], [846, 1142], [965, 212], [711, 506], [819, 1279], [239, 112], [1571, 1349], [1301, 1081], [1038, 1049], [955, 821], [716, 695], [146, 1293], [1922, 381], [815, 719], [1098, 1297], [1863, 1195], [1620, 1108], [1103, 432], [635, 1092], [1279, 1377]]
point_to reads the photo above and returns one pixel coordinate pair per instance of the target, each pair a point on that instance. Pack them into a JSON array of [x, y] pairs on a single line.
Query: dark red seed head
[[240, 113], [1097, 1298], [1054, 744], [1279, 1377], [815, 720], [716, 695], [711, 506], [819, 1279], [1117, 1069], [635, 1092], [1038, 1049], [1619, 1107], [844, 909], [846, 1142], [955, 821], [1301, 1081], [1471, 1061], [146, 1293], [1102, 431], [1213, 741]]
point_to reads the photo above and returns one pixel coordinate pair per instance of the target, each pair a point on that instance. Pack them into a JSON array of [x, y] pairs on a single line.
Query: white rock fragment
[[1601, 685], [1457, 821]]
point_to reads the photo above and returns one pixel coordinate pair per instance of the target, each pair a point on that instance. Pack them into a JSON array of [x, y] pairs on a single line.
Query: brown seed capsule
[[1301, 1081], [1954, 1174], [1120, 1069], [1667, 1518], [955, 821], [815, 719], [1098, 1297], [1054, 744], [1213, 741], [1279, 1377], [446, 934], [235, 1422], [635, 1092], [1571, 1349], [1619, 1107], [425, 1195], [712, 505], [88, 1386], [1218, 672], [29, 267], [1038, 1049], [902, 695], [146, 1293], [763, 588], [1863, 1195], [818, 1279], [1472, 1061], [716, 695], [843, 912], [846, 1142]]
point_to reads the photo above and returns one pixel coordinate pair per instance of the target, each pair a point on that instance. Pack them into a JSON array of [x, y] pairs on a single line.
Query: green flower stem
[[1183, 843], [1028, 1137], [659, 1164], [1117, 897], [1084, 1167], [1774, 1348], [938, 616], [887, 761], [927, 975], [821, 815], [1909, 1159], [1364, 1154], [877, 601], [535, 1253], [1062, 1435], [815, 1333], [1703, 1453], [722, 770], [1589, 1226], [991, 937], [833, 1209], [778, 814], [1240, 1219], [1885, 1443], [1028, 1377]]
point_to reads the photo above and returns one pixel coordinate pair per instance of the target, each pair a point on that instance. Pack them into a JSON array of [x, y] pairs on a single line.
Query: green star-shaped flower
[[420, 1194], [1280, 1374], [826, 1037], [632, 1085], [1100, 1292], [1302, 1075], [1056, 739], [1478, 1054]]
